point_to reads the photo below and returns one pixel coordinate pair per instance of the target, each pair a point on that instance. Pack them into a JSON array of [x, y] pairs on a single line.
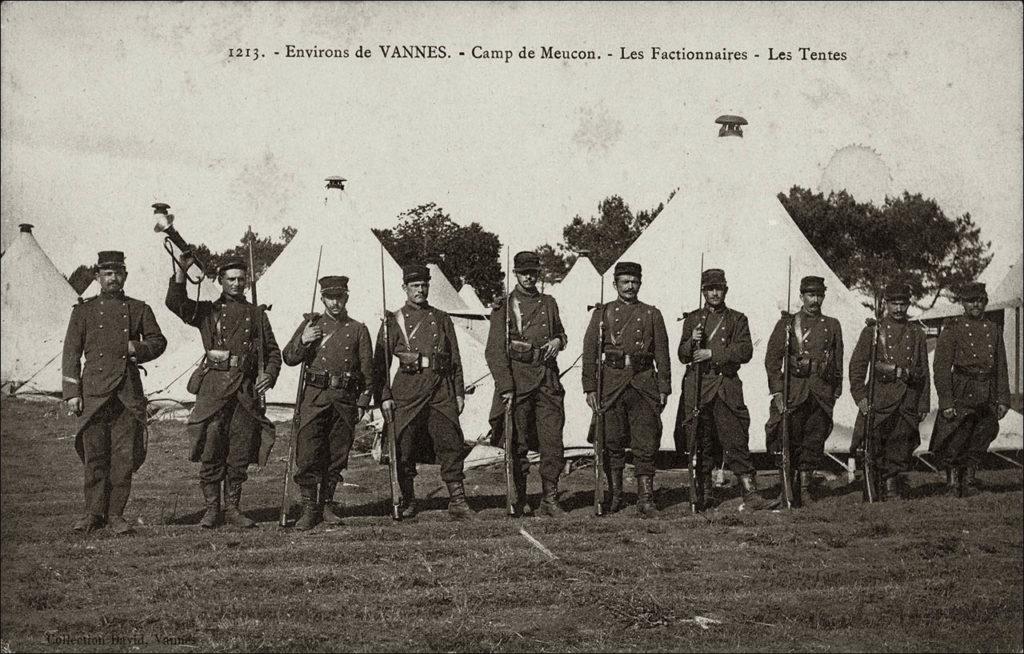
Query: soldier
[[427, 395], [718, 337], [902, 388], [339, 367], [228, 426], [816, 381], [637, 382], [973, 387], [525, 372], [116, 334]]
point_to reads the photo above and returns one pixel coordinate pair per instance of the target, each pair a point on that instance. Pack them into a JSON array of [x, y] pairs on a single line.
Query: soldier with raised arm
[[424, 400], [525, 372], [116, 334], [636, 385], [973, 386], [902, 389], [816, 381], [339, 368], [228, 426]]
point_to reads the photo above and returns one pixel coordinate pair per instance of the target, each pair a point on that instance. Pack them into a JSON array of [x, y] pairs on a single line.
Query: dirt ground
[[933, 573]]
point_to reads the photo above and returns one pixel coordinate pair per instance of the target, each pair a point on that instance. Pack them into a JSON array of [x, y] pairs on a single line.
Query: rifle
[[790, 496], [260, 363], [871, 485], [509, 424], [599, 458], [696, 458], [299, 392], [390, 435]]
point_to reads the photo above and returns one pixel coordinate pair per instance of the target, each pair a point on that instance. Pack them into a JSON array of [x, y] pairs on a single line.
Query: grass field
[[932, 573]]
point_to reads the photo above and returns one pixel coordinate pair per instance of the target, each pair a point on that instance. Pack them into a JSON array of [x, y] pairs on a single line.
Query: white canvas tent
[[37, 303], [472, 300]]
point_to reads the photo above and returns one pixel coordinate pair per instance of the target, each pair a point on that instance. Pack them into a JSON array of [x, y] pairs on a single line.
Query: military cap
[[526, 261], [971, 291], [712, 277], [414, 272], [811, 284], [110, 259], [231, 264], [898, 292], [628, 268], [333, 285]]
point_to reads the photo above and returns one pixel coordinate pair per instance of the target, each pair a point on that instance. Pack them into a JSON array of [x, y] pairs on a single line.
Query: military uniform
[[110, 437], [971, 379], [724, 417], [816, 382], [519, 367], [425, 389], [637, 372], [902, 391], [228, 428], [338, 369]]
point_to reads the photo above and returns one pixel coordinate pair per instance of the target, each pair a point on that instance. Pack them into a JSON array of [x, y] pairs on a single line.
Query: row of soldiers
[[626, 339]]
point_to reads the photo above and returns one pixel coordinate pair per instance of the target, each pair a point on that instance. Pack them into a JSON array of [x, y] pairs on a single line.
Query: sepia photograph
[[511, 326]]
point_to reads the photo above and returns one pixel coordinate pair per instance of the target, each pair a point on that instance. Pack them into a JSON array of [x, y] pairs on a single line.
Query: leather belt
[[324, 379]]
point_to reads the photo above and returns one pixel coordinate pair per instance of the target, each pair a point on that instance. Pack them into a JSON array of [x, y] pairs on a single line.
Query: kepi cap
[[333, 285], [812, 284], [712, 277], [231, 264], [110, 259], [415, 273], [897, 291], [971, 291], [628, 268], [526, 261]]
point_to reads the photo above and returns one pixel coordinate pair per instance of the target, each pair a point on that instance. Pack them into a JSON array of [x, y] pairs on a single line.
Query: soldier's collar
[[225, 298], [522, 291], [113, 295], [711, 309], [635, 300], [341, 317], [417, 307]]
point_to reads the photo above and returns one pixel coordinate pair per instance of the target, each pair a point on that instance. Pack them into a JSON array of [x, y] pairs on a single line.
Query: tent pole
[[1006, 458]]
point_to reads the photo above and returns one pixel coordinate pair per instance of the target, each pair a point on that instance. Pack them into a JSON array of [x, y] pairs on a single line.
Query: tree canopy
[[908, 239], [465, 254]]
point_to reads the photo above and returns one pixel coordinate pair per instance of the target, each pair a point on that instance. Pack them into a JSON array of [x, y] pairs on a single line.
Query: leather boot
[[211, 495], [707, 486], [645, 496], [331, 510], [311, 511], [523, 507], [752, 500], [806, 486], [955, 482], [88, 522], [458, 509], [549, 506], [894, 487], [408, 490], [232, 514], [615, 488], [970, 476]]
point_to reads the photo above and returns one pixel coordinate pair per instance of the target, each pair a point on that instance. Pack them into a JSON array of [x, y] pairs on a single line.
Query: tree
[[470, 254], [908, 239], [608, 234], [81, 278], [554, 265]]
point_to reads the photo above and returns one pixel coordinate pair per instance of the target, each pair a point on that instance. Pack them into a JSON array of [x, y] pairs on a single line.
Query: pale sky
[[108, 107]]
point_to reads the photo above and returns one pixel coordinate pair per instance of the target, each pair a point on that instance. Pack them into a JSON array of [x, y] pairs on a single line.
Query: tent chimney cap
[[26, 228], [336, 182], [731, 125]]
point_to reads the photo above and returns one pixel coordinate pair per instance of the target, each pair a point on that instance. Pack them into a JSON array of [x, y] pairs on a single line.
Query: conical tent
[[578, 291], [37, 303], [728, 214], [351, 249], [472, 300]]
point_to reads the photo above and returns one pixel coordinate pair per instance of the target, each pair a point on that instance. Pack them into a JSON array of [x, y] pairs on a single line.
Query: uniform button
[[122, 356], [101, 354], [124, 330]]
